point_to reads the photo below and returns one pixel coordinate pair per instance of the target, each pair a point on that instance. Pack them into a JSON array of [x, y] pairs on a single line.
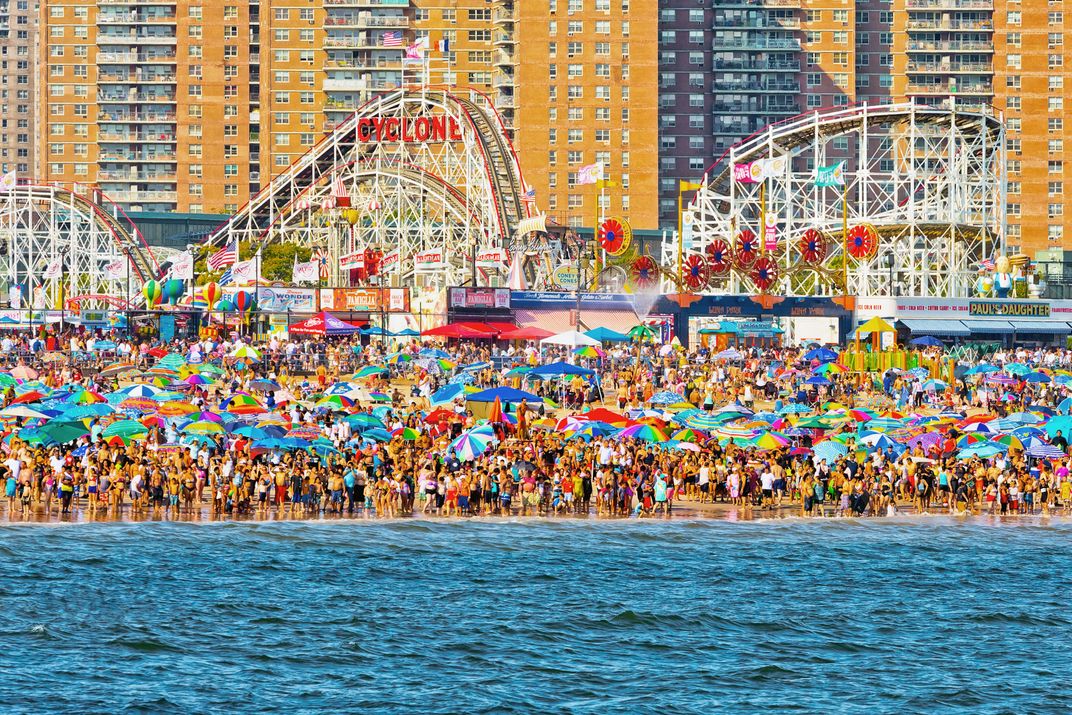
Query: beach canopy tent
[[528, 333], [558, 369], [606, 335], [503, 394], [471, 329], [927, 341], [459, 330], [324, 323], [572, 338]]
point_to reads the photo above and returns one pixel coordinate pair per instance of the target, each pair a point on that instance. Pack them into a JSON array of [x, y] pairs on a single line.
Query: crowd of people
[[128, 428]]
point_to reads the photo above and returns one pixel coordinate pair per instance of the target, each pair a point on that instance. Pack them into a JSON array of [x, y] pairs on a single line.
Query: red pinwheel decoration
[[614, 236], [812, 246], [644, 272], [747, 248], [695, 273], [718, 256], [765, 273], [863, 241]]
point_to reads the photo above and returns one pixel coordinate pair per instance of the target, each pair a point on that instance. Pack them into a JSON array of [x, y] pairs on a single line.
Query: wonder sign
[[408, 129]]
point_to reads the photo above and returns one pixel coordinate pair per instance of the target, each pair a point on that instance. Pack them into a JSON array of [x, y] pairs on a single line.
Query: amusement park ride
[[422, 187]]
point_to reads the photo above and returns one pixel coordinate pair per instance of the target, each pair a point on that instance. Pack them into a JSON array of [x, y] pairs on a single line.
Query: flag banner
[[428, 260], [308, 272], [116, 269], [14, 297], [833, 175], [182, 266], [590, 174], [770, 232], [352, 260], [389, 260], [245, 271], [392, 39], [224, 257], [417, 49], [444, 45], [686, 231], [754, 172], [492, 258], [529, 196], [8, 181], [53, 269]]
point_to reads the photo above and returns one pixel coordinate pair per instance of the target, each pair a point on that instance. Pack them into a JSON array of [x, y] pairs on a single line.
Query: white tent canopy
[[572, 338]]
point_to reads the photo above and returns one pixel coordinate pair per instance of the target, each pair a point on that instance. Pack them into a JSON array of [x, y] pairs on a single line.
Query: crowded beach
[[593, 424]]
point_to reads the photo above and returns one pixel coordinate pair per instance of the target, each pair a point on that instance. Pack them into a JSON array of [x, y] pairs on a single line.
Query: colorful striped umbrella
[[471, 445], [645, 432]]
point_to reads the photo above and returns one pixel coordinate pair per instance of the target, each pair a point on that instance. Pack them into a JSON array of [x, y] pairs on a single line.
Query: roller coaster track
[[342, 148], [126, 235]]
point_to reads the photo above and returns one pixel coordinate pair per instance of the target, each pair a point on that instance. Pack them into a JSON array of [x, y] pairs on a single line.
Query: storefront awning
[[988, 327], [1040, 327], [922, 326]]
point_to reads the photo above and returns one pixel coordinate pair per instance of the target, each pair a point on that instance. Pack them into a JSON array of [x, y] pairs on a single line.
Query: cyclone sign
[[615, 236]]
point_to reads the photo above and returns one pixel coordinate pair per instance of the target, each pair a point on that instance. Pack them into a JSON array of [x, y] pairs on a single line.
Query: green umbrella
[[63, 432], [125, 428], [642, 332], [203, 427]]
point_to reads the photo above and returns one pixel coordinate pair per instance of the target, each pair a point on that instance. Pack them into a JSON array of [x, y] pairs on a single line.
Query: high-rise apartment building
[[18, 41], [586, 92]]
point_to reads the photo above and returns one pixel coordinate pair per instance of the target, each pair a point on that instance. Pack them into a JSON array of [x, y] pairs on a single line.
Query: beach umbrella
[[829, 368], [196, 379], [365, 420], [686, 435], [377, 434], [126, 429], [398, 358], [1017, 368], [471, 444], [240, 399], [590, 351], [644, 432], [771, 440], [982, 369], [1024, 418], [665, 398], [830, 451], [926, 341], [1009, 440], [369, 371], [820, 354], [335, 402], [1039, 449], [23, 372], [495, 413], [794, 408], [176, 409], [246, 352], [203, 427], [23, 411], [641, 332], [606, 335], [879, 441], [999, 379], [139, 391], [934, 385], [704, 422], [983, 450], [729, 354], [1061, 423], [377, 396], [504, 394], [407, 433], [64, 431], [1039, 377], [447, 394], [250, 431], [141, 404], [817, 380], [559, 369], [925, 440]]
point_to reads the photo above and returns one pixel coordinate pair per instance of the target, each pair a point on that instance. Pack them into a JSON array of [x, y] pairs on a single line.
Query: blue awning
[[988, 327], [924, 326], [1040, 327]]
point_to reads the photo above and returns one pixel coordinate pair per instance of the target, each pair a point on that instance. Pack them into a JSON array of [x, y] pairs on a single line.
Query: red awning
[[459, 330], [528, 333]]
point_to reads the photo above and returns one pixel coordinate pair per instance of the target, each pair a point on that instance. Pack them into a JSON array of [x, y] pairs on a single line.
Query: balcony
[[761, 4], [128, 158], [136, 99], [751, 23], [791, 109], [135, 18], [755, 42], [950, 46], [142, 196], [948, 25], [367, 3], [369, 20], [789, 87], [949, 4], [975, 88], [950, 67], [751, 65], [150, 138], [132, 39]]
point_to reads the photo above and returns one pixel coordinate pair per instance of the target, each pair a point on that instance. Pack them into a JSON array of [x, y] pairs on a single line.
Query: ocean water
[[537, 616]]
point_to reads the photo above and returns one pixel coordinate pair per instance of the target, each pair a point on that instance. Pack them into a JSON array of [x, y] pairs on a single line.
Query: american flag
[[392, 39], [529, 196], [226, 256], [988, 264]]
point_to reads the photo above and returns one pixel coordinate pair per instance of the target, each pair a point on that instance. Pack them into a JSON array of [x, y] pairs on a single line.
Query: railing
[[950, 46]]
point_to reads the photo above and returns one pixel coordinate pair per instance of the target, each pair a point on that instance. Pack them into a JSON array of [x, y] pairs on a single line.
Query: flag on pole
[[115, 269], [226, 256], [416, 50], [54, 269], [529, 197], [444, 45], [182, 266], [7, 181], [833, 175], [392, 39], [245, 271], [227, 278], [307, 272], [589, 174]]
